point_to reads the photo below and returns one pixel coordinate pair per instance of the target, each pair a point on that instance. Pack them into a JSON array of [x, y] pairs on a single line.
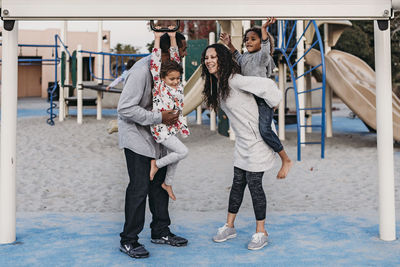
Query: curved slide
[[354, 82], [193, 92]]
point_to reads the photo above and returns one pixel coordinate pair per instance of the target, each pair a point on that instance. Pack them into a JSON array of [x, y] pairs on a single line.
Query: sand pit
[[79, 168]]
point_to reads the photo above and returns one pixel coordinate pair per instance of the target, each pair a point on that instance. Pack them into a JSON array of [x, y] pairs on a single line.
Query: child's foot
[[283, 172], [153, 169], [168, 188]]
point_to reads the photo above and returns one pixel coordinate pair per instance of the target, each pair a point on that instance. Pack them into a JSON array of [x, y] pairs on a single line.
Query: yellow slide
[[354, 82], [193, 92]]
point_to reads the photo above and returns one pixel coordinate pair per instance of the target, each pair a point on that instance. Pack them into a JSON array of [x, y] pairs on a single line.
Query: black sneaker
[[171, 239], [134, 250]]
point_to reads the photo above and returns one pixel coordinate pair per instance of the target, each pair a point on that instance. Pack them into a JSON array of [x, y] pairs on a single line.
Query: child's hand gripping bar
[[164, 28]]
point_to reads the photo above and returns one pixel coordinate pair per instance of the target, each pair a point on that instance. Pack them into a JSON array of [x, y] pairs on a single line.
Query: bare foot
[[153, 169], [168, 188], [286, 165]]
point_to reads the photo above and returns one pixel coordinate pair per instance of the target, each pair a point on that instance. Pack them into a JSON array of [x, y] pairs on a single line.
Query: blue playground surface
[[57, 239]]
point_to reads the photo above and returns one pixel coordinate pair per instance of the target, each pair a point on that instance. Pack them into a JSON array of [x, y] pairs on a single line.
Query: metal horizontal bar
[[33, 45], [310, 143], [194, 9], [319, 108], [310, 126], [308, 91], [113, 54], [307, 72]]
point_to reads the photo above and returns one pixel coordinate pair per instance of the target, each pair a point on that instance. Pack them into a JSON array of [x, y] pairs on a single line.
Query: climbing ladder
[[289, 46]]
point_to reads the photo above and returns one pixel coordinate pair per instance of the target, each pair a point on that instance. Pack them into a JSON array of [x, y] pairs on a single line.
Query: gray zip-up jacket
[[251, 152], [134, 111]]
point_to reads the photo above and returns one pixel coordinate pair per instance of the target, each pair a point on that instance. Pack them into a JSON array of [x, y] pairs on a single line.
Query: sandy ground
[[79, 168]]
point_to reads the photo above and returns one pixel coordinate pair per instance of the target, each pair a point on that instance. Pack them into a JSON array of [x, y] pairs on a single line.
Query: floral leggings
[[241, 178]]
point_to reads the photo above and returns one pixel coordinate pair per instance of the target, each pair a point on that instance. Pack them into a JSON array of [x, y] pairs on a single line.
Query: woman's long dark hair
[[215, 89]]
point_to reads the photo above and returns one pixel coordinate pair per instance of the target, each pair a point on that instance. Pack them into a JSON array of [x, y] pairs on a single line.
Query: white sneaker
[[224, 233], [258, 241]]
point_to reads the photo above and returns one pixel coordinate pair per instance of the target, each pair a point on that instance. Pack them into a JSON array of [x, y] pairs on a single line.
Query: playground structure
[[379, 10], [50, 61]]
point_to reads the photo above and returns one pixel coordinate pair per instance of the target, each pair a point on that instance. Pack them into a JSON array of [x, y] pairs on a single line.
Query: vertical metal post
[[100, 69], [213, 115], [328, 90], [300, 81], [282, 80], [308, 99], [384, 120], [61, 110], [9, 95], [79, 93]]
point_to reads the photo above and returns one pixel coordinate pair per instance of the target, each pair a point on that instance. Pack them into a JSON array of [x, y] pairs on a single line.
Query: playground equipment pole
[[300, 81], [308, 98], [61, 111], [9, 94], [282, 80], [213, 116], [384, 121], [328, 90], [79, 89], [100, 72]]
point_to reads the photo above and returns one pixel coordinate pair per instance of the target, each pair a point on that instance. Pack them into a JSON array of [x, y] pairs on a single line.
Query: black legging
[[254, 179]]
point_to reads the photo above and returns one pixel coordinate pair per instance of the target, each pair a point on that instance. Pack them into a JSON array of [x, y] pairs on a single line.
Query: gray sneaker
[[224, 233], [258, 241]]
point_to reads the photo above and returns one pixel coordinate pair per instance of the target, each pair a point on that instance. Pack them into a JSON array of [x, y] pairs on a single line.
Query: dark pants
[[265, 117], [135, 200], [241, 178]]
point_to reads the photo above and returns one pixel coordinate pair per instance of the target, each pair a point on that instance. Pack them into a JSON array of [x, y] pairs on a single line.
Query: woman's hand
[[269, 22]]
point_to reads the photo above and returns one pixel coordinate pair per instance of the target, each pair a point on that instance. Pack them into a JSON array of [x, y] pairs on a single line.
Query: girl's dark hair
[[257, 30], [165, 41], [169, 66], [215, 89]]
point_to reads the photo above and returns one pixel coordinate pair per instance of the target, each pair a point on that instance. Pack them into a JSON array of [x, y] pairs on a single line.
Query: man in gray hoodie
[[135, 116]]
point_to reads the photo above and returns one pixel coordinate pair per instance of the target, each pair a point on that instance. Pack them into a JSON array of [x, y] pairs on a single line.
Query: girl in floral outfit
[[167, 95]]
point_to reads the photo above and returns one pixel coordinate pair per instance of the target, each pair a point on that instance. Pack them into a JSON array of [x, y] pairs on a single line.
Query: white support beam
[[328, 89], [61, 100], [384, 121], [194, 9], [9, 93], [100, 73], [300, 81], [79, 89], [213, 115]]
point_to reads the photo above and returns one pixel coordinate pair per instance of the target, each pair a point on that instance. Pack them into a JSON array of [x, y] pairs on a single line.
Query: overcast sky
[[135, 33]]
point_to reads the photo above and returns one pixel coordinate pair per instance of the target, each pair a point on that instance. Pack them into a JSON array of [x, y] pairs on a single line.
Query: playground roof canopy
[[194, 9]]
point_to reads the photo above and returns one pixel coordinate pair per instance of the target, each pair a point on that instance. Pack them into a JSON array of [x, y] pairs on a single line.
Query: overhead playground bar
[[379, 10]]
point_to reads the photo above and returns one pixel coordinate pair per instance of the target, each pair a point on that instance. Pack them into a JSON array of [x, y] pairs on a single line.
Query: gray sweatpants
[[176, 152]]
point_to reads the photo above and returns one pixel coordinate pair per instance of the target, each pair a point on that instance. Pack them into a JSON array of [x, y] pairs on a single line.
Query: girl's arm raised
[[155, 62], [174, 50]]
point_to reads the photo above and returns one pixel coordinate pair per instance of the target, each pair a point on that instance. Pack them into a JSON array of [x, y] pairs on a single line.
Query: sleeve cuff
[[266, 41], [157, 117]]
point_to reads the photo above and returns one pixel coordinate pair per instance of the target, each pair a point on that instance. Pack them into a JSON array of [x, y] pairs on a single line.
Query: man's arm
[[128, 106]]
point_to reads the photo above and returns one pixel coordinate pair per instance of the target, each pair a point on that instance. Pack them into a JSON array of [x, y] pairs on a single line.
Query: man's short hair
[[165, 42]]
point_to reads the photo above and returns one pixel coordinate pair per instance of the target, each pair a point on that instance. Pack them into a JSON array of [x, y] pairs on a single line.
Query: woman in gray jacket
[[225, 88]]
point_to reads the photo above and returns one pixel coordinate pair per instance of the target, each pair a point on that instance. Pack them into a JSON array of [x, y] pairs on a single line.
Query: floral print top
[[166, 98]]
